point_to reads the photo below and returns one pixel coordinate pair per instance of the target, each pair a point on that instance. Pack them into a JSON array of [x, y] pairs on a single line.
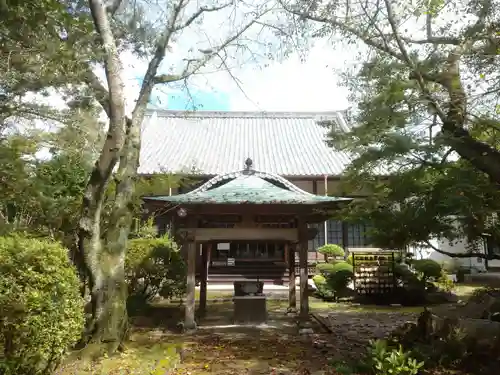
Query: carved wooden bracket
[[186, 235]]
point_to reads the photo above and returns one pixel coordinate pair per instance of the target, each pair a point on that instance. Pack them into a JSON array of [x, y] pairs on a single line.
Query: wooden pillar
[[292, 292], [204, 277], [345, 238], [304, 287], [189, 319]]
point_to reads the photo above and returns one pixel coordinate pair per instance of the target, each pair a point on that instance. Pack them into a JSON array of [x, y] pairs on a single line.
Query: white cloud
[[290, 85], [293, 85]]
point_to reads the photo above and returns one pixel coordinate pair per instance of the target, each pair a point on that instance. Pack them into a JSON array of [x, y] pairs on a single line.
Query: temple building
[[287, 160]]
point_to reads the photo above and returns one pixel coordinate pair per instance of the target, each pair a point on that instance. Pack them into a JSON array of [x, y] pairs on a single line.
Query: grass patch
[[215, 294], [145, 357], [465, 290]]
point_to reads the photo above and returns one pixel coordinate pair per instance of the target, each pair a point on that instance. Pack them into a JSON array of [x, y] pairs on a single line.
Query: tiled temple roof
[[214, 143]]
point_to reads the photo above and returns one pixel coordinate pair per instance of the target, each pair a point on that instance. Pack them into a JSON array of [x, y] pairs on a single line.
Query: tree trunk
[[481, 155], [97, 263], [103, 265], [108, 325], [110, 303]]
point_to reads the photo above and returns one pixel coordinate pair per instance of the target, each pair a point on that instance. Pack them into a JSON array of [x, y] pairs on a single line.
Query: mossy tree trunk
[[104, 260], [103, 266]]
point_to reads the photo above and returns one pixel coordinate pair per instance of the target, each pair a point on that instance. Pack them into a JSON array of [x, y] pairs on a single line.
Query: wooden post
[[204, 276], [189, 319], [345, 238], [292, 293], [304, 287]]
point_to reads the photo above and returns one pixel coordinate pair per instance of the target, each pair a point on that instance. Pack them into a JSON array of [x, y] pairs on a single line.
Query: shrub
[[404, 275], [339, 277], [41, 310], [392, 361], [444, 283], [428, 268], [322, 288], [319, 280], [154, 266], [349, 259], [325, 268], [331, 250], [450, 266], [411, 289]]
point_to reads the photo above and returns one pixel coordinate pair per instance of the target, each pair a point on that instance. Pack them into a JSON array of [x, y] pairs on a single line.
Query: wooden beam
[[292, 293], [249, 234], [189, 319], [345, 238]]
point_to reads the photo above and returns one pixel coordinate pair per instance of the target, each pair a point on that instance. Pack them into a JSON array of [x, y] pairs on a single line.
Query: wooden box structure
[[249, 302], [374, 273], [250, 309]]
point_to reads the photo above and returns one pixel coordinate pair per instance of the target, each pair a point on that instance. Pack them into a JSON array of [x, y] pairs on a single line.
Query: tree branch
[[194, 65], [112, 66], [199, 12], [101, 94], [150, 78], [463, 255], [406, 58], [434, 40], [335, 22], [112, 6]]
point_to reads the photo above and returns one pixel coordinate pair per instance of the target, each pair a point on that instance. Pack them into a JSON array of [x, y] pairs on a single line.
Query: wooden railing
[[311, 270]]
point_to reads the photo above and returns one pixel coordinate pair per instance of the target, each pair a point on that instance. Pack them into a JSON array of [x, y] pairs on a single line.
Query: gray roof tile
[[214, 143]]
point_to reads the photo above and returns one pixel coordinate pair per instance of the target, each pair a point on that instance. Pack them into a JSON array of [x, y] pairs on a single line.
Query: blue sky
[[266, 89], [182, 100], [202, 100]]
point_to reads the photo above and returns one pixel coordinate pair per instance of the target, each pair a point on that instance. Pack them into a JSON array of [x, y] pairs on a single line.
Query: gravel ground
[[353, 330]]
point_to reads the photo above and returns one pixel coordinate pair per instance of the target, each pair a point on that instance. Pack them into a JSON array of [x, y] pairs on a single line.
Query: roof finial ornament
[[248, 163], [248, 166]]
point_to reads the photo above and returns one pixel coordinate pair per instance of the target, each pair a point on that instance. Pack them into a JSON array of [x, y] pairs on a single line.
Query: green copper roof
[[248, 187]]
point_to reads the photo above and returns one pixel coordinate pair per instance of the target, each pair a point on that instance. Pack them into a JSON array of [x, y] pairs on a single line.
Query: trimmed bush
[[342, 267], [331, 250], [154, 266], [319, 280], [340, 276], [322, 288], [428, 268], [349, 259], [450, 266], [325, 268], [404, 274], [41, 310]]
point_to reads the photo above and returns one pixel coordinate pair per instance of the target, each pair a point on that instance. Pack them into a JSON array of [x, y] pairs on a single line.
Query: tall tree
[[136, 26], [425, 93], [425, 64], [42, 50]]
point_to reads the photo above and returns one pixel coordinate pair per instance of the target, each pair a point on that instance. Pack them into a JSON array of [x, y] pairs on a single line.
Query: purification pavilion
[[246, 205]]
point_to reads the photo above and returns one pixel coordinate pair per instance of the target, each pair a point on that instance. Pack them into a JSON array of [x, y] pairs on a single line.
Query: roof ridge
[[240, 114]]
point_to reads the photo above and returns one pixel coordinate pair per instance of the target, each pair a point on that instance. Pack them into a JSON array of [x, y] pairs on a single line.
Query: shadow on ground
[[217, 347]]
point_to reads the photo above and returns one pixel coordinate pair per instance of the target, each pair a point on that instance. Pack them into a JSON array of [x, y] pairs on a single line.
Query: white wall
[[459, 246]]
